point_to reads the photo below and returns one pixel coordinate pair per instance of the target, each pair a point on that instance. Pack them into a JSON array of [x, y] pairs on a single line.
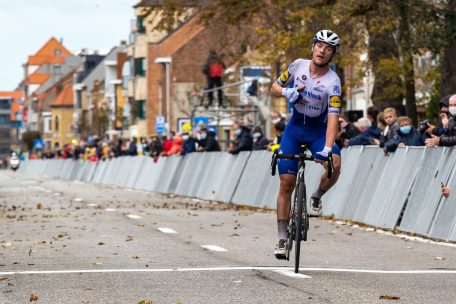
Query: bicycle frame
[[299, 218]]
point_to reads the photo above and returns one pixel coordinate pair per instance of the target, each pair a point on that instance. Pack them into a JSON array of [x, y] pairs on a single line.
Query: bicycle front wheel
[[299, 201]]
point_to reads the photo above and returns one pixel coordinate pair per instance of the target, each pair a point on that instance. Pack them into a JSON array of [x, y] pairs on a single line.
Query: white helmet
[[328, 37]]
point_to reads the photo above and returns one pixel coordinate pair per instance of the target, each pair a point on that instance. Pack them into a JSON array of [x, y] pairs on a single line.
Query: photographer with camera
[[426, 127], [448, 137]]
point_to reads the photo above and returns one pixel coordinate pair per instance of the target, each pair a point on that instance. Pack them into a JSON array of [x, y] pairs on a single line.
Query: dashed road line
[[167, 230], [292, 274], [214, 248]]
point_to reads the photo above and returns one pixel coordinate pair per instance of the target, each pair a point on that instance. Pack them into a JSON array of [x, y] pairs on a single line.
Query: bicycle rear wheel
[[299, 201]]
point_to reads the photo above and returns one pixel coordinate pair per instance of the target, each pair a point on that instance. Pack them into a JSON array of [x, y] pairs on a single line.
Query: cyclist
[[315, 94]]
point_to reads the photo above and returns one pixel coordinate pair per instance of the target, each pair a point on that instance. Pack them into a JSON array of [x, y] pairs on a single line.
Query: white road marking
[[292, 274], [92, 205], [399, 235], [78, 199], [213, 248], [167, 230], [133, 216], [232, 268], [110, 209]]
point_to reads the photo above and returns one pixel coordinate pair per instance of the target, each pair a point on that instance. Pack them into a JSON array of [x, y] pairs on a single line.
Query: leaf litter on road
[[387, 297], [33, 298]]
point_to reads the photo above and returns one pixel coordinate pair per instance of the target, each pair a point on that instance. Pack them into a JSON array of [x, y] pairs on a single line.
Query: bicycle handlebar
[[301, 156]]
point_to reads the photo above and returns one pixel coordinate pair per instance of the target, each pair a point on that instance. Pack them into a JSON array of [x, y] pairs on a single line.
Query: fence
[[399, 191]]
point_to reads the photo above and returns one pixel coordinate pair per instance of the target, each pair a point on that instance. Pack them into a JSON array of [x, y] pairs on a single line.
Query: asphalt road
[[71, 242]]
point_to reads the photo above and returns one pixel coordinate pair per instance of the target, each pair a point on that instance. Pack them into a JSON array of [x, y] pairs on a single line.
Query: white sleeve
[[334, 100], [288, 76]]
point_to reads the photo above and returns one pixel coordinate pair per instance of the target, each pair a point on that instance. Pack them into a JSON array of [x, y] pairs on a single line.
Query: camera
[[423, 126]]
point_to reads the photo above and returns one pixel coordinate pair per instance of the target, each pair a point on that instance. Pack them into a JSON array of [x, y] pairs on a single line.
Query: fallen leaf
[[39, 206], [145, 302], [3, 279], [385, 297], [101, 243], [349, 233], [33, 298], [439, 258]]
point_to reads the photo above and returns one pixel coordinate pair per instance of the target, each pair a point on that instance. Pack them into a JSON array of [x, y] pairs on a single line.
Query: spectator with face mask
[[243, 141], [260, 142], [189, 145], [208, 142], [448, 138], [276, 117], [406, 136]]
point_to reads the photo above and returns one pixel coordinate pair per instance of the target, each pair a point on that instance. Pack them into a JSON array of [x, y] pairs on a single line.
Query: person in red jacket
[[214, 71]]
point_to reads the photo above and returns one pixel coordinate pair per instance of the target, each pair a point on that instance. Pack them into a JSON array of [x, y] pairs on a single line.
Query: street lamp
[[167, 62]]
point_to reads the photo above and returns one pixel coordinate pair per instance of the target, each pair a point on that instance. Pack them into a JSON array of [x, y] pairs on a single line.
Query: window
[[140, 64], [141, 109], [47, 124], [140, 25], [4, 119], [57, 69], [57, 52], [56, 124]]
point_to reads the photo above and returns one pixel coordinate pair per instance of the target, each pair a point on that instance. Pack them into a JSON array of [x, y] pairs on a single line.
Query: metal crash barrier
[[396, 191]]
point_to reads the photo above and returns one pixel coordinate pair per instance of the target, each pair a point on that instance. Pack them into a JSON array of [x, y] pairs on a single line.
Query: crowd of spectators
[[388, 131], [384, 129]]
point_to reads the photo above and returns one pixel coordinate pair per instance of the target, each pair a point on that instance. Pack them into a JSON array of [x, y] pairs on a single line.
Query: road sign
[[200, 120], [38, 144], [160, 124]]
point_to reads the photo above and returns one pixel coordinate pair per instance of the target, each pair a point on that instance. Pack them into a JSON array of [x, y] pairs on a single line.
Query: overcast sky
[[26, 25]]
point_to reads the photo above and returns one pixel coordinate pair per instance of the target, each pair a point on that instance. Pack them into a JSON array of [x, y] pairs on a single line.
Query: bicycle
[[298, 224]]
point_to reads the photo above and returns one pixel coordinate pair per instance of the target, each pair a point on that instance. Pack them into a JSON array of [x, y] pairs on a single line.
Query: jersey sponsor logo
[[285, 76], [311, 95], [336, 90], [333, 111], [334, 102], [312, 107]]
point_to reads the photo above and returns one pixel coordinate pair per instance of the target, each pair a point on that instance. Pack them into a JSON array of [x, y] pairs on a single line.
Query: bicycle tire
[[298, 221], [305, 216], [291, 226]]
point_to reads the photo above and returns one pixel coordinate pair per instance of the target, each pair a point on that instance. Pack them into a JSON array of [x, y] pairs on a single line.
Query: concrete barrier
[[336, 198], [135, 171], [254, 180], [227, 176], [425, 195], [393, 187], [373, 188]]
